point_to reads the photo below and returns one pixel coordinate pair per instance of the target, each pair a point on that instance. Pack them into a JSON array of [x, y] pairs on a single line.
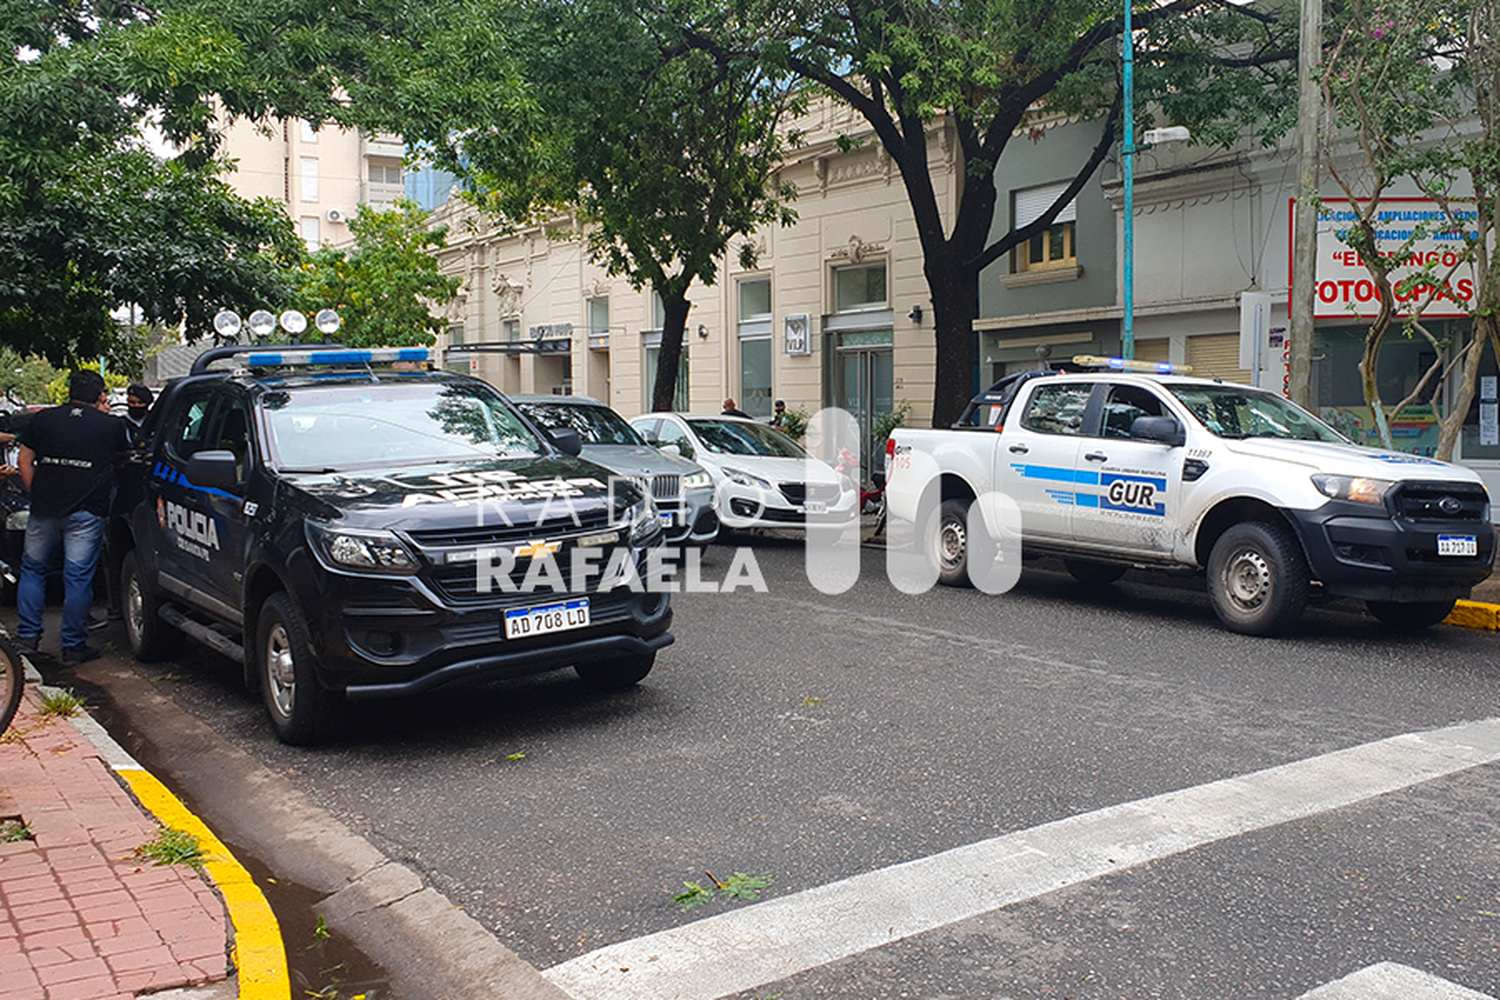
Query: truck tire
[[948, 536], [150, 637], [1410, 617], [1093, 574], [1258, 578], [616, 675], [301, 712]]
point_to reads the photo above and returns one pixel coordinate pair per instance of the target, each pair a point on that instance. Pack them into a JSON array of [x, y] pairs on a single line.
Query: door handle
[[1019, 449], [1096, 456]]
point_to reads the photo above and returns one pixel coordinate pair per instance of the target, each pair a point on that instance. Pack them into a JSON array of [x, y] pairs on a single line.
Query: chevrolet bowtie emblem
[[536, 548]]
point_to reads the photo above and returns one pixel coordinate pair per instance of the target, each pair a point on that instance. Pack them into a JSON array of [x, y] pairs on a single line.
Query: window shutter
[[1032, 202]]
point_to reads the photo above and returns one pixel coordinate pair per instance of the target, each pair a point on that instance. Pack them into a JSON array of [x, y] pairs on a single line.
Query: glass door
[[866, 380]]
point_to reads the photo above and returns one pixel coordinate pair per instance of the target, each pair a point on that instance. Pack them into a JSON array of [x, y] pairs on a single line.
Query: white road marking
[[768, 941], [1389, 981]]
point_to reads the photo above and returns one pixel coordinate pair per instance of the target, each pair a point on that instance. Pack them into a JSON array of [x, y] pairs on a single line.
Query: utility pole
[[1305, 223]]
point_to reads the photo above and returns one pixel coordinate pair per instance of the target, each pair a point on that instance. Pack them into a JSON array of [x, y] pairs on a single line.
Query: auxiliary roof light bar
[[1127, 365], [337, 356]]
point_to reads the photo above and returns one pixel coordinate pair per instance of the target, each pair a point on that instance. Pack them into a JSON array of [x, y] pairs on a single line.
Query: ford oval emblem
[[1450, 505]]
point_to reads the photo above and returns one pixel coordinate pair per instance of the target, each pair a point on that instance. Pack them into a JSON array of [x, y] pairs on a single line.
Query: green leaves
[[383, 287]]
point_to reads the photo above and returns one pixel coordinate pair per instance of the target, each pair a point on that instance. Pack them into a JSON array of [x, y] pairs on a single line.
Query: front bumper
[[387, 637], [1391, 558]]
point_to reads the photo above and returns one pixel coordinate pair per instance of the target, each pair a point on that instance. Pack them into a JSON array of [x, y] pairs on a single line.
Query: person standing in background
[[67, 462]]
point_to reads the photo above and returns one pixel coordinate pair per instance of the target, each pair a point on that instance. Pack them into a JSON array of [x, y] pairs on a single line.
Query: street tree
[[92, 219], [600, 114], [385, 286], [990, 68], [1412, 95]]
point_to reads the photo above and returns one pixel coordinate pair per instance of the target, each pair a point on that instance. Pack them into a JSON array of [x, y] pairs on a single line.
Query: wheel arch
[[955, 487], [1238, 510], [260, 583]]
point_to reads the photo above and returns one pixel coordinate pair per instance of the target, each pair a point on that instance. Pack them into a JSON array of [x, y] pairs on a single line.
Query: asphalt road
[[814, 738]]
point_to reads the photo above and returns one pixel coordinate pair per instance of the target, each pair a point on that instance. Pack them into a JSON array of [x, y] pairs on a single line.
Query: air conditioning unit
[[334, 215]]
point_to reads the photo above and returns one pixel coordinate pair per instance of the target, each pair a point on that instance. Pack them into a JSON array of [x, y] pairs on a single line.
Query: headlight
[[1355, 488], [645, 522], [697, 481], [746, 479], [366, 551]]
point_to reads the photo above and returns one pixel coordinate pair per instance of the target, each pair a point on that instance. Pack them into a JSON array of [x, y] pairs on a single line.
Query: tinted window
[[595, 424], [1124, 404], [370, 425], [736, 437], [190, 430], [1057, 408]]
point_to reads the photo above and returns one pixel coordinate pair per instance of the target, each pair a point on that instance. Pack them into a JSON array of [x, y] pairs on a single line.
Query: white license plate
[[524, 622], [816, 507], [1458, 545]]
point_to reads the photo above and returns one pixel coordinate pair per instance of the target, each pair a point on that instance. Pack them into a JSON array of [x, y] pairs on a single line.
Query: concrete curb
[[259, 953]]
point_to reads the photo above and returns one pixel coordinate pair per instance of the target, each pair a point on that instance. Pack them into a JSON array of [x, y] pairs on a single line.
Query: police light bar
[[1126, 365], [337, 356]]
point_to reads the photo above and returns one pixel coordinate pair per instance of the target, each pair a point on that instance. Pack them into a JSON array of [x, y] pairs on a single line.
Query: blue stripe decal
[[171, 475], [1056, 475], [1088, 500]]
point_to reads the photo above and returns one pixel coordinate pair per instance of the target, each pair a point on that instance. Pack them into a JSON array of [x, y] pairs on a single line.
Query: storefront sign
[[1344, 285], [798, 334]]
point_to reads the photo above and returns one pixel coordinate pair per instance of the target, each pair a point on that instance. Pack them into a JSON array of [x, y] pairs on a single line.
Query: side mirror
[[1163, 430], [567, 441], [671, 449], [214, 468]]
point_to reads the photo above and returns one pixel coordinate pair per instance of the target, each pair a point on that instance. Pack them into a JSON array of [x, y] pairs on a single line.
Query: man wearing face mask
[[138, 399]]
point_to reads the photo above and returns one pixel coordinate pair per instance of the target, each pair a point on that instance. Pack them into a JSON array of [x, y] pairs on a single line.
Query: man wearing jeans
[[67, 462]]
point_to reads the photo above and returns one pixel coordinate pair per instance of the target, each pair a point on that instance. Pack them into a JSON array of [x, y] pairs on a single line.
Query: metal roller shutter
[[1217, 356]]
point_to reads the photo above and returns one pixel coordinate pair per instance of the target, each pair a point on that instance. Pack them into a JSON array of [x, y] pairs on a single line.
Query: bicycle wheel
[[12, 678]]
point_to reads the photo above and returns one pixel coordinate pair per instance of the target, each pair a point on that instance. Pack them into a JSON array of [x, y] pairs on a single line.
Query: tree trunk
[[954, 292], [668, 360]]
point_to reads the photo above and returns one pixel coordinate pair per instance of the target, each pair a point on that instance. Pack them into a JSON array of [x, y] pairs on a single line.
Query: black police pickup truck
[[352, 525]]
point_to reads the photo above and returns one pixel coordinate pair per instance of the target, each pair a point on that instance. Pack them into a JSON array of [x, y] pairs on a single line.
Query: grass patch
[[13, 830], [61, 702], [173, 847]]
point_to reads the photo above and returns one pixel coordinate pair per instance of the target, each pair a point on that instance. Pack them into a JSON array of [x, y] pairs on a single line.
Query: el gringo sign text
[[1344, 287]]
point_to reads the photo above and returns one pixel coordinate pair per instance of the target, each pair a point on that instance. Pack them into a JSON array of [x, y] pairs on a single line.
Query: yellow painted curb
[[259, 954], [1473, 614]]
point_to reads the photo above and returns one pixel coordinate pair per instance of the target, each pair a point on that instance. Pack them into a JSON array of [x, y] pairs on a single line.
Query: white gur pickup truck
[[1111, 467]]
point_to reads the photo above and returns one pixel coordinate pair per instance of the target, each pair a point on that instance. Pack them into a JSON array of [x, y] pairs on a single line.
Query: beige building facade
[[320, 175], [835, 312]]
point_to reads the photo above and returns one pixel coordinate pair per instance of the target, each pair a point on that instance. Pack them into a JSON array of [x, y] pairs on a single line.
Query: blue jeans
[[81, 535]]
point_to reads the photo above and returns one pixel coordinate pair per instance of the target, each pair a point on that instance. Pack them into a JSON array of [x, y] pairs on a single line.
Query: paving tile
[[126, 944], [155, 957], [58, 939], [46, 922], [122, 908], [20, 984], [33, 905], [82, 989], [119, 928], [69, 972]]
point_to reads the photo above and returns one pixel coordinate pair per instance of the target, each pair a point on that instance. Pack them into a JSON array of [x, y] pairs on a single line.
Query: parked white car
[[763, 479]]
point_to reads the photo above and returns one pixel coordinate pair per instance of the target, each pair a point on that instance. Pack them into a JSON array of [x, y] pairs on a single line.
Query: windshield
[[735, 437], [341, 428], [594, 424], [1238, 412]]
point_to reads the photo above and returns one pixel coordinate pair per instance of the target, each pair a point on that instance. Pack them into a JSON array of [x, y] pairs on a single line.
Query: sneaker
[[28, 644], [72, 656], [97, 621]]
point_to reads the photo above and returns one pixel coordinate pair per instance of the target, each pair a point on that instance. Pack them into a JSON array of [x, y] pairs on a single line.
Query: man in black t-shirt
[[67, 462]]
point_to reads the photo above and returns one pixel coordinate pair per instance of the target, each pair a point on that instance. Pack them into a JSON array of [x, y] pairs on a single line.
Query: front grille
[[666, 487], [459, 584], [1442, 502], [800, 493], [571, 523]]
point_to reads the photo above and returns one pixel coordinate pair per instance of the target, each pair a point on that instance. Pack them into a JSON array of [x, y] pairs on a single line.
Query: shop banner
[[1344, 286]]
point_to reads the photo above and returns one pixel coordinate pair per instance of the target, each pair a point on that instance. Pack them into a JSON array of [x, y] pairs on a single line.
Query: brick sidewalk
[[81, 917]]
